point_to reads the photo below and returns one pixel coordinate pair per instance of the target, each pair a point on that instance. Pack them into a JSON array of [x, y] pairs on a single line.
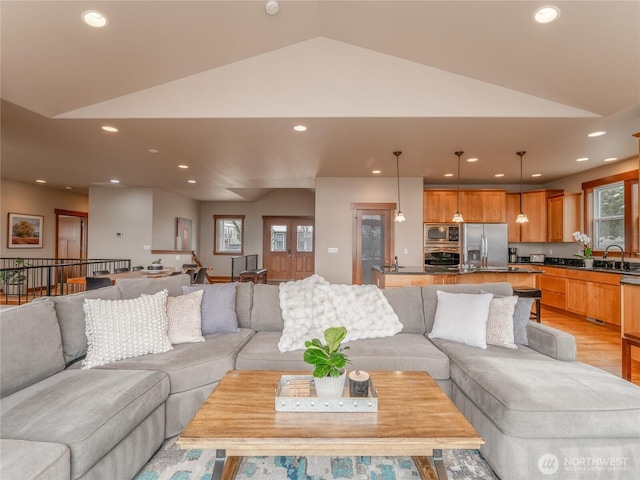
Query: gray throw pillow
[[218, 309], [521, 315], [521, 319]]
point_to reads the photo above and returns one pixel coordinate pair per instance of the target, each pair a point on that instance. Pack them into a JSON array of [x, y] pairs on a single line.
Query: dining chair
[[94, 283], [201, 276]]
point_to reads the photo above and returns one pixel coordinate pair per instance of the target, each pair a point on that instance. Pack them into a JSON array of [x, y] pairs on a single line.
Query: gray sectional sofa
[[533, 406]]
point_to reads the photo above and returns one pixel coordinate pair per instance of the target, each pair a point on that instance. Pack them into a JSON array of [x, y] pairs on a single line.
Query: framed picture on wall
[[183, 234], [25, 231]]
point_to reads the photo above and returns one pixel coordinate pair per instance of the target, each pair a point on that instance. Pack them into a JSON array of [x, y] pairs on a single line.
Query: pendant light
[[400, 215], [522, 218], [458, 217]]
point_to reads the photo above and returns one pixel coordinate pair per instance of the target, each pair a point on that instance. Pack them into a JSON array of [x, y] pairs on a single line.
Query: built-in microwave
[[441, 234]]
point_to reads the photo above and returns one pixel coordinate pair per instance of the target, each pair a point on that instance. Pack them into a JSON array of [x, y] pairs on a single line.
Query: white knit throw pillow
[[119, 329], [500, 322], [185, 319]]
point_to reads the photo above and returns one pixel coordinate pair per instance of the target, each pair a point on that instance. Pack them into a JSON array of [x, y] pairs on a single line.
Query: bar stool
[[530, 292]]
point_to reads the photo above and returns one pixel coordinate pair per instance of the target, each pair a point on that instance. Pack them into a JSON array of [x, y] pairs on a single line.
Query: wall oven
[[441, 234]]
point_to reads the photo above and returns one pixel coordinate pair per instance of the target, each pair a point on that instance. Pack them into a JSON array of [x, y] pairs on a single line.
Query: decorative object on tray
[[292, 396], [358, 383], [329, 362]]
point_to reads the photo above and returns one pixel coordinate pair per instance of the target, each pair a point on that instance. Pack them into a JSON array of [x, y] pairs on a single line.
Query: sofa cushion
[[185, 320], [118, 329], [193, 365], [404, 351], [407, 303], [462, 317], [430, 301], [521, 315], [71, 318], [89, 411], [527, 394], [24, 460], [266, 314], [218, 307], [244, 302], [30, 346], [134, 287]]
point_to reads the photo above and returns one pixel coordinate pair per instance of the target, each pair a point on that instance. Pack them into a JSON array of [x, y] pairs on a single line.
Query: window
[[608, 215], [611, 211], [228, 234]]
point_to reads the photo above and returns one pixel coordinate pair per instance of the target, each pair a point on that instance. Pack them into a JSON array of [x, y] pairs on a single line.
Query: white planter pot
[[588, 263], [15, 289], [330, 386]]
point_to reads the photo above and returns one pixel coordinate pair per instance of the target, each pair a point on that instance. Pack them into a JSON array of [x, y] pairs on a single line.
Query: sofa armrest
[[551, 342]]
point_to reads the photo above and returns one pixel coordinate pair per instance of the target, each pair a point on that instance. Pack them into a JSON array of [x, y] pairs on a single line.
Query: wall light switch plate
[[332, 250], [147, 247]]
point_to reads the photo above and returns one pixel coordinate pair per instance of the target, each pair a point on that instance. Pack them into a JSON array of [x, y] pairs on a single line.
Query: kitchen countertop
[[449, 270], [634, 272]]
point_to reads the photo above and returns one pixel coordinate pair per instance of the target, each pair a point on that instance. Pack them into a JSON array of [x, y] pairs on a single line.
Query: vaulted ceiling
[[218, 86]]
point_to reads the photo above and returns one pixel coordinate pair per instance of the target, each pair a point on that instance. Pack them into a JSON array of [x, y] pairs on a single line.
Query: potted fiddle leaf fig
[[329, 362]]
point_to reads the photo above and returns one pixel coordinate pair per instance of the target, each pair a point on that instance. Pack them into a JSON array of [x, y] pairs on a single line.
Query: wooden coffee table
[[414, 418]]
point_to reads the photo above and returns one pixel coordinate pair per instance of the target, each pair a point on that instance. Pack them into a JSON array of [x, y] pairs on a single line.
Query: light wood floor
[[598, 345]]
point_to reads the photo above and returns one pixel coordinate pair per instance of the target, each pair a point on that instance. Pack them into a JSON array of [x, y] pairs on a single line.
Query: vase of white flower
[[585, 242]]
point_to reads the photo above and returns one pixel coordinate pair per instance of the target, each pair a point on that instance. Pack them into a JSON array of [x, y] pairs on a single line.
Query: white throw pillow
[[185, 320], [119, 329], [462, 318], [500, 322]]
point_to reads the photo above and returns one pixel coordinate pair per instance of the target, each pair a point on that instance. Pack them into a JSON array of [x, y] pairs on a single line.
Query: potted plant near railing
[[14, 279], [329, 361]]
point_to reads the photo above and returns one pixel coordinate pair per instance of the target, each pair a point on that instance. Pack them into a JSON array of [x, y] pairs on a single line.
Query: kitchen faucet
[[395, 263], [606, 254]]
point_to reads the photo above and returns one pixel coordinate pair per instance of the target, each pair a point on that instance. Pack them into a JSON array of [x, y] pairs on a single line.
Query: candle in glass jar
[[358, 383]]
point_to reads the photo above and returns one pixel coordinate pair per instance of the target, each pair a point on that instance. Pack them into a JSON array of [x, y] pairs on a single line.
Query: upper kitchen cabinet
[[563, 217], [439, 206], [534, 205], [484, 206]]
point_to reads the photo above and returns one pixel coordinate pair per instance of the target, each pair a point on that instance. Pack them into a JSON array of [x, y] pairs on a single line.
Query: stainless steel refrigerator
[[484, 245]]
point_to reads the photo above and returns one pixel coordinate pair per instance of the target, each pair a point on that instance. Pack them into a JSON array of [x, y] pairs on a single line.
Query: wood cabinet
[[534, 205], [486, 206], [630, 300], [439, 206], [563, 217], [592, 294]]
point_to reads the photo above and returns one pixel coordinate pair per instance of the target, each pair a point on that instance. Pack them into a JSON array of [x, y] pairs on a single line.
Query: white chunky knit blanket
[[312, 305]]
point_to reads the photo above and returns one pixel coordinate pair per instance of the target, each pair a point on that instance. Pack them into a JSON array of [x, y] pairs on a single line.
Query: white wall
[[167, 208], [18, 197], [285, 202], [334, 197]]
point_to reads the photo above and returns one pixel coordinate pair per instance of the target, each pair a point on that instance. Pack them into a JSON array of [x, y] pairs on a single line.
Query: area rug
[[172, 463]]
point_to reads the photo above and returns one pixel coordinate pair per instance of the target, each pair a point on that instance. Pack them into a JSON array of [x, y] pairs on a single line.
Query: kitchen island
[[388, 277]]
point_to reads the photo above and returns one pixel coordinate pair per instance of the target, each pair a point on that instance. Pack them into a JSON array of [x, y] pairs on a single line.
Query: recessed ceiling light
[[68, 188], [183, 166], [499, 175], [448, 174], [611, 159], [41, 181], [109, 128], [153, 150], [376, 172], [272, 7], [597, 134], [472, 159], [546, 14], [300, 128], [94, 18], [191, 181], [536, 174], [583, 159], [113, 180]]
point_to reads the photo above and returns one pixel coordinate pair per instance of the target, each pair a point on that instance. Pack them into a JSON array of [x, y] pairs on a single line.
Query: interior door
[[71, 241], [373, 240], [288, 247]]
